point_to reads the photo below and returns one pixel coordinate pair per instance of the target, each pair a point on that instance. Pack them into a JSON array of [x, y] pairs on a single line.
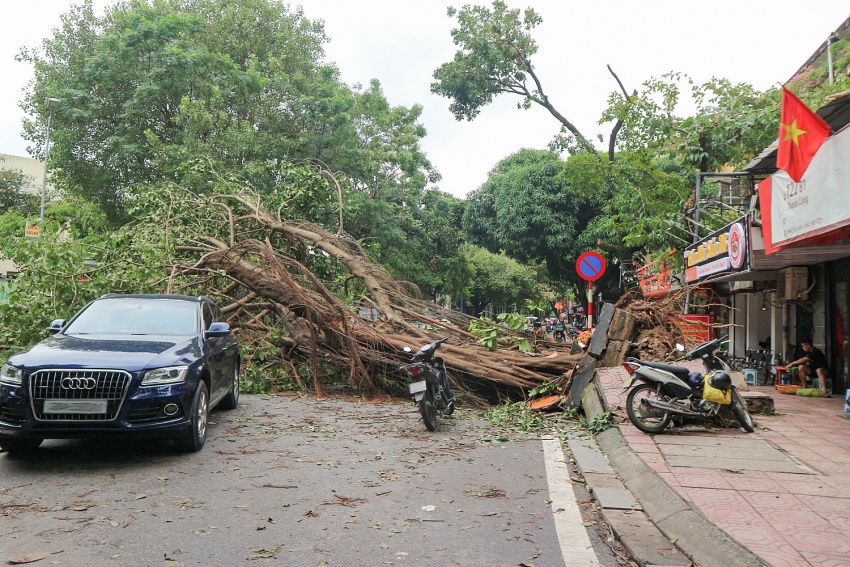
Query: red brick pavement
[[787, 518]]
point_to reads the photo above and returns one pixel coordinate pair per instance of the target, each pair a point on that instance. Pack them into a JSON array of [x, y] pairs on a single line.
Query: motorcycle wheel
[[428, 409], [739, 408], [647, 419]]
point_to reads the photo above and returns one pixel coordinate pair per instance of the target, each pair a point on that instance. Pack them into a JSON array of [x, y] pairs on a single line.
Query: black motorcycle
[[429, 384], [668, 394]]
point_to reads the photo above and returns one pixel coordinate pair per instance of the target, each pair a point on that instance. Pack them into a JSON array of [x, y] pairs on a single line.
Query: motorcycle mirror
[[680, 347], [407, 349]]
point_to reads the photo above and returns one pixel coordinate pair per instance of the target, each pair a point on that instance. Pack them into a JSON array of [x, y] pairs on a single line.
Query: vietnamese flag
[[801, 133]]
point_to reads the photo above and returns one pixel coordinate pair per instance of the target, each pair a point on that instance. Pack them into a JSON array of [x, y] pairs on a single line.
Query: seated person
[[810, 360]]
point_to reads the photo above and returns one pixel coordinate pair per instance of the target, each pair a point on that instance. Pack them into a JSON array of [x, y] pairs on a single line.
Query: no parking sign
[[590, 266]]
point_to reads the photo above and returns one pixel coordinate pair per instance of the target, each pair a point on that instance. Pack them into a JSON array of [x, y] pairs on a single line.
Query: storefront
[[799, 284], [719, 271], [782, 272]]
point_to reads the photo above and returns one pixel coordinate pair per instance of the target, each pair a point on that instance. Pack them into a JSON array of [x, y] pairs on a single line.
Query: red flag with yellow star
[[801, 133]]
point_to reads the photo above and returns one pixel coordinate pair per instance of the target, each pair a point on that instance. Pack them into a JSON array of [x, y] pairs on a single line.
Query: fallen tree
[[229, 246]]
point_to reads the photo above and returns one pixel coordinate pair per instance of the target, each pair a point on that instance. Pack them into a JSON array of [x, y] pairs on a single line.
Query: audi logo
[[79, 383]]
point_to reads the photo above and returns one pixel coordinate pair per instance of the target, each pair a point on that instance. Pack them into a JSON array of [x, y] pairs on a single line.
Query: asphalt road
[[296, 481]]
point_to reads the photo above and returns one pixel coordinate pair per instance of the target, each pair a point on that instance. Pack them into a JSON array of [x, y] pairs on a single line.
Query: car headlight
[[10, 374], [168, 375]]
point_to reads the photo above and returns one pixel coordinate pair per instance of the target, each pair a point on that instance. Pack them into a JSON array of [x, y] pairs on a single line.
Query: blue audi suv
[[125, 366]]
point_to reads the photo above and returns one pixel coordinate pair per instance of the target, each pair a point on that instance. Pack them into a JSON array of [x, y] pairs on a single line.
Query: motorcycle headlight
[[11, 375], [168, 375]]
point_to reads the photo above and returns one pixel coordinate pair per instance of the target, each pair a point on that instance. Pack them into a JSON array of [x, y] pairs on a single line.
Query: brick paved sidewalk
[[783, 492]]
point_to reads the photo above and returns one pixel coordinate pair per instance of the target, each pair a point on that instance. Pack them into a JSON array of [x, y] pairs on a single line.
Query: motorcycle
[[560, 333], [667, 394], [429, 384]]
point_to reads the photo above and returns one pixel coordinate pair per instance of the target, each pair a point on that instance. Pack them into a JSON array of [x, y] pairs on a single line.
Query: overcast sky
[[401, 42]]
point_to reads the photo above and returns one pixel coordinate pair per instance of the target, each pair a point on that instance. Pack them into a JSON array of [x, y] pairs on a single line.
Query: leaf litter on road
[[30, 557], [344, 501]]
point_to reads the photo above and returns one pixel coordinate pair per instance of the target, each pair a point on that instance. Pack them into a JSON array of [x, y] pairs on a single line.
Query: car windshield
[[136, 317]]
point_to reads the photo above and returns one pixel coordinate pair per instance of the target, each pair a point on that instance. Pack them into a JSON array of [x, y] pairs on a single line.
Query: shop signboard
[[725, 251], [815, 209], [655, 278], [31, 232], [695, 328]]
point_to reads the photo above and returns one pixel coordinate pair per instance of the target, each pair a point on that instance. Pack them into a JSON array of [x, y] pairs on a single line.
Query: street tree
[[495, 50], [149, 89], [527, 209], [177, 90], [498, 280], [730, 124], [349, 325]]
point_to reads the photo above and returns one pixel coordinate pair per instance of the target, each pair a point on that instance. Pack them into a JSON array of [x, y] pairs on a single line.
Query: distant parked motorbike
[[578, 319], [560, 331], [429, 384], [573, 332], [667, 394]]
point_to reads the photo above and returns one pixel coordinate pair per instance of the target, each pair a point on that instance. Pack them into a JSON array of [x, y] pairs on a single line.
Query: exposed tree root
[[275, 300]]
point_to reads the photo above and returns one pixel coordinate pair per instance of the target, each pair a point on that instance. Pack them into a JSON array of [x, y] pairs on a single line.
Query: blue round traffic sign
[[590, 266]]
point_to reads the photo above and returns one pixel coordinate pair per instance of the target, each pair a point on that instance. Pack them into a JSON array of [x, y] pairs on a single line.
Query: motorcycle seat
[[677, 371]]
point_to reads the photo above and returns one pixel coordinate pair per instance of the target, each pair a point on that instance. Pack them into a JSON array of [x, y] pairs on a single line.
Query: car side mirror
[[56, 326], [218, 330]]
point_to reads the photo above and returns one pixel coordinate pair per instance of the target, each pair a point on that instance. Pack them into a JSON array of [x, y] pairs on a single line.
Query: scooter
[[667, 394], [429, 384], [559, 334]]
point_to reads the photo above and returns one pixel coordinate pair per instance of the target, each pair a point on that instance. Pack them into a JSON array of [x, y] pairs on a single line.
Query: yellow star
[[792, 132]]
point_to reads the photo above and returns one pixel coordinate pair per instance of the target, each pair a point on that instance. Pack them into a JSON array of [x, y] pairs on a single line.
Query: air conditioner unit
[[743, 285], [792, 284]]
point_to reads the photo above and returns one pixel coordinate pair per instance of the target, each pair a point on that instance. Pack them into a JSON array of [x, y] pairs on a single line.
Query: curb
[[700, 540]]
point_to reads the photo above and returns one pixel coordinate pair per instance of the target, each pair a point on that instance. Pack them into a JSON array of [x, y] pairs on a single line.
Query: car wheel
[[231, 400], [196, 436], [20, 445]]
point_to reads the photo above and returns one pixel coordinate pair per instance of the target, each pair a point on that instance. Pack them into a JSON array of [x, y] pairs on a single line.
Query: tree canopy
[[157, 91], [495, 47], [730, 125], [527, 209], [152, 86], [498, 280]]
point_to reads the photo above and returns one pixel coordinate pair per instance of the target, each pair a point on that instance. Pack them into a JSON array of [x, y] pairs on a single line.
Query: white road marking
[[569, 525]]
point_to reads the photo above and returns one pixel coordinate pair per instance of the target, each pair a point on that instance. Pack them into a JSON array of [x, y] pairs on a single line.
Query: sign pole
[[589, 305]]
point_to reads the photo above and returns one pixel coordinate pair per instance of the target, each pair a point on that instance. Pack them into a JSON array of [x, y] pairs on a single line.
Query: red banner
[[655, 278], [696, 328]]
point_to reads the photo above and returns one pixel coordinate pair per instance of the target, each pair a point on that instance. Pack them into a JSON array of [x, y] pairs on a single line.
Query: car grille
[[109, 385]]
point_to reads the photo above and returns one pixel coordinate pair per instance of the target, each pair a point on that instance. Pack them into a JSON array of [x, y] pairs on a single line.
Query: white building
[[33, 170]]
